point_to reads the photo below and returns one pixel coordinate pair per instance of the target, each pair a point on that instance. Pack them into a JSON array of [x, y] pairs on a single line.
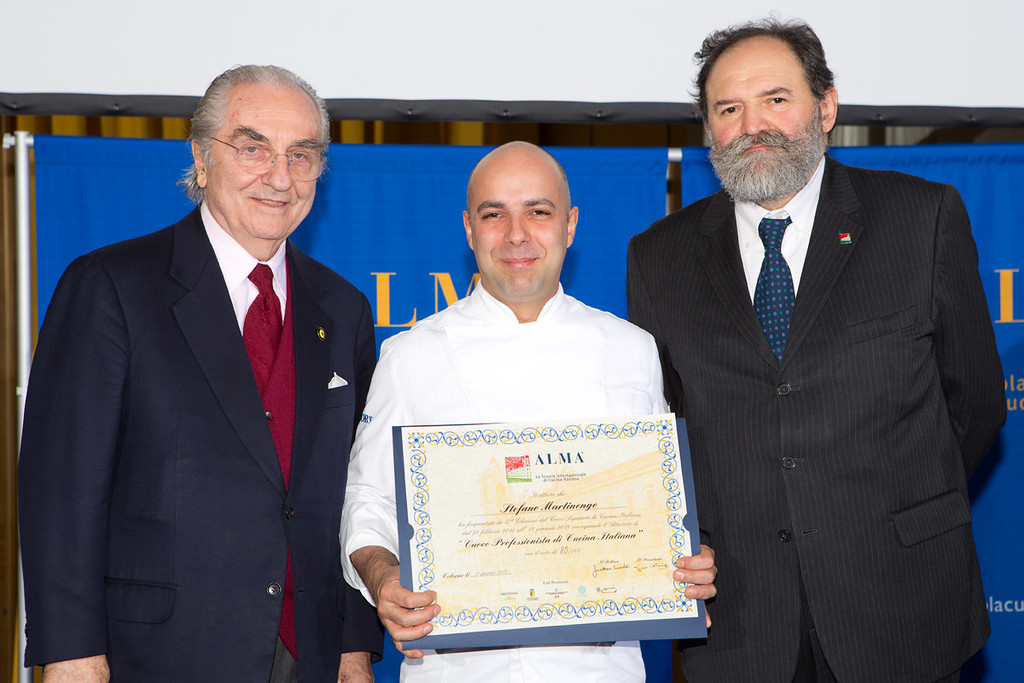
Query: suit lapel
[[722, 263], [827, 253], [312, 359], [208, 323]]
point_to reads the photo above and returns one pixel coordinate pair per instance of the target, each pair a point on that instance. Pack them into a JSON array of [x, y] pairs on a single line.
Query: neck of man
[[525, 311], [778, 203], [527, 314]]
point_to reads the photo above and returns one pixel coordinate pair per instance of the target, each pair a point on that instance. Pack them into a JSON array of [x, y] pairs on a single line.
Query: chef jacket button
[[785, 535], [274, 590], [783, 389], [788, 463]]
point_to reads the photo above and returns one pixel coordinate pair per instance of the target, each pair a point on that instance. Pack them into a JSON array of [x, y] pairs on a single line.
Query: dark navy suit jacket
[[155, 522]]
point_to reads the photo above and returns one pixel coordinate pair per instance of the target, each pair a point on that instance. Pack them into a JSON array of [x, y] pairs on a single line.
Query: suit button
[[788, 463], [785, 535], [289, 512], [270, 415], [783, 389], [274, 589]]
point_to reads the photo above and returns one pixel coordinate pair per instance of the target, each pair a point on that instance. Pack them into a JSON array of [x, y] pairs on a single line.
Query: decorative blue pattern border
[[675, 510]]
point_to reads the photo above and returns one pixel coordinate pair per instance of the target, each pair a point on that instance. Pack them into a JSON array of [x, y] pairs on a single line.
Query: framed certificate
[[548, 532]]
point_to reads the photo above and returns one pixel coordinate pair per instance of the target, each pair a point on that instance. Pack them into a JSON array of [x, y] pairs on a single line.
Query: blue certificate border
[[623, 628]]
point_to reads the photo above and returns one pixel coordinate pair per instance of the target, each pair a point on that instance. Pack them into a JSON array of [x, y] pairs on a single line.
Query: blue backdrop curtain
[[387, 218]]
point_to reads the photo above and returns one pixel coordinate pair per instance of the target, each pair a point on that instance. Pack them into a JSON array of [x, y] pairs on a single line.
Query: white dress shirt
[[236, 264], [474, 362], [800, 209]]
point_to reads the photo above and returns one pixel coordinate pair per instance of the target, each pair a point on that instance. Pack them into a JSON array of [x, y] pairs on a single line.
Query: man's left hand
[[699, 571], [355, 668]]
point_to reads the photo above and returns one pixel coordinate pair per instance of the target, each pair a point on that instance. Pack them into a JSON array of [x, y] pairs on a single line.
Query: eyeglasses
[[305, 164]]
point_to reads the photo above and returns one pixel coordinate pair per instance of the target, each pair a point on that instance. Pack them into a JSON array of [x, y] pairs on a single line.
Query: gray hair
[[212, 110]]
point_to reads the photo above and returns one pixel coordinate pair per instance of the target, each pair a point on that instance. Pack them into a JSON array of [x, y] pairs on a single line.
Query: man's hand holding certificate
[[549, 532]]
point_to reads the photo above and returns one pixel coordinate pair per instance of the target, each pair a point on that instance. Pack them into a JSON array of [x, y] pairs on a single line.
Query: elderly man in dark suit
[[824, 331], [191, 407]]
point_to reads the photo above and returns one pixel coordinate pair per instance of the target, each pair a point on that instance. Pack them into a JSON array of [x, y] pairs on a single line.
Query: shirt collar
[[496, 311], [235, 262], [800, 208]]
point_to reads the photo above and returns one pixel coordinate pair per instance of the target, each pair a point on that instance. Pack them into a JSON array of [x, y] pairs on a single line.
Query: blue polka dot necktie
[[774, 295]]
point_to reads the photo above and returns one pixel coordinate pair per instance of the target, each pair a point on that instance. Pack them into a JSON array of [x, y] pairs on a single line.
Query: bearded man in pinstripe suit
[[831, 459]]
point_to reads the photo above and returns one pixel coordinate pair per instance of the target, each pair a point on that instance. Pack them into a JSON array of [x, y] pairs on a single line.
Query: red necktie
[[261, 331]]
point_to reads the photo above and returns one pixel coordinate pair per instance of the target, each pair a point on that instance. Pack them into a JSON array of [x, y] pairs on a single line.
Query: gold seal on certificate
[[548, 532]]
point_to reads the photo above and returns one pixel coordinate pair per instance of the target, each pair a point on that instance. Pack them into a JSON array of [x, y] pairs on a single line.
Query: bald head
[[519, 222], [518, 150]]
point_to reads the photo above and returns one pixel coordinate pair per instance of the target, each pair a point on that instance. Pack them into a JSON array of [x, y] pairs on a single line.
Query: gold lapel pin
[[320, 333]]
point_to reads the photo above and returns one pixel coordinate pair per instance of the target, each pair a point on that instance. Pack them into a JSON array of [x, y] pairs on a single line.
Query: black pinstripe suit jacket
[[847, 464]]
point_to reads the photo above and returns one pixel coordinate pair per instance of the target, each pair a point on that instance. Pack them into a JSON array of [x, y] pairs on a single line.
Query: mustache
[[768, 138]]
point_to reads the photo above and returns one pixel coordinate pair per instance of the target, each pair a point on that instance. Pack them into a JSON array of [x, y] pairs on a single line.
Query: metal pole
[[675, 156], [22, 142]]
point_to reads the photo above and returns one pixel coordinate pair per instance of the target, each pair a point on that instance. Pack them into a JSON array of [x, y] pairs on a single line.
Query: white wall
[[885, 52]]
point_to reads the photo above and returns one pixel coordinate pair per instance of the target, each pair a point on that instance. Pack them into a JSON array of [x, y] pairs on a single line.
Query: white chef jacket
[[474, 362]]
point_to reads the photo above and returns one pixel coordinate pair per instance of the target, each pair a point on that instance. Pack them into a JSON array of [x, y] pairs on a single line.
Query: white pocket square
[[337, 381]]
